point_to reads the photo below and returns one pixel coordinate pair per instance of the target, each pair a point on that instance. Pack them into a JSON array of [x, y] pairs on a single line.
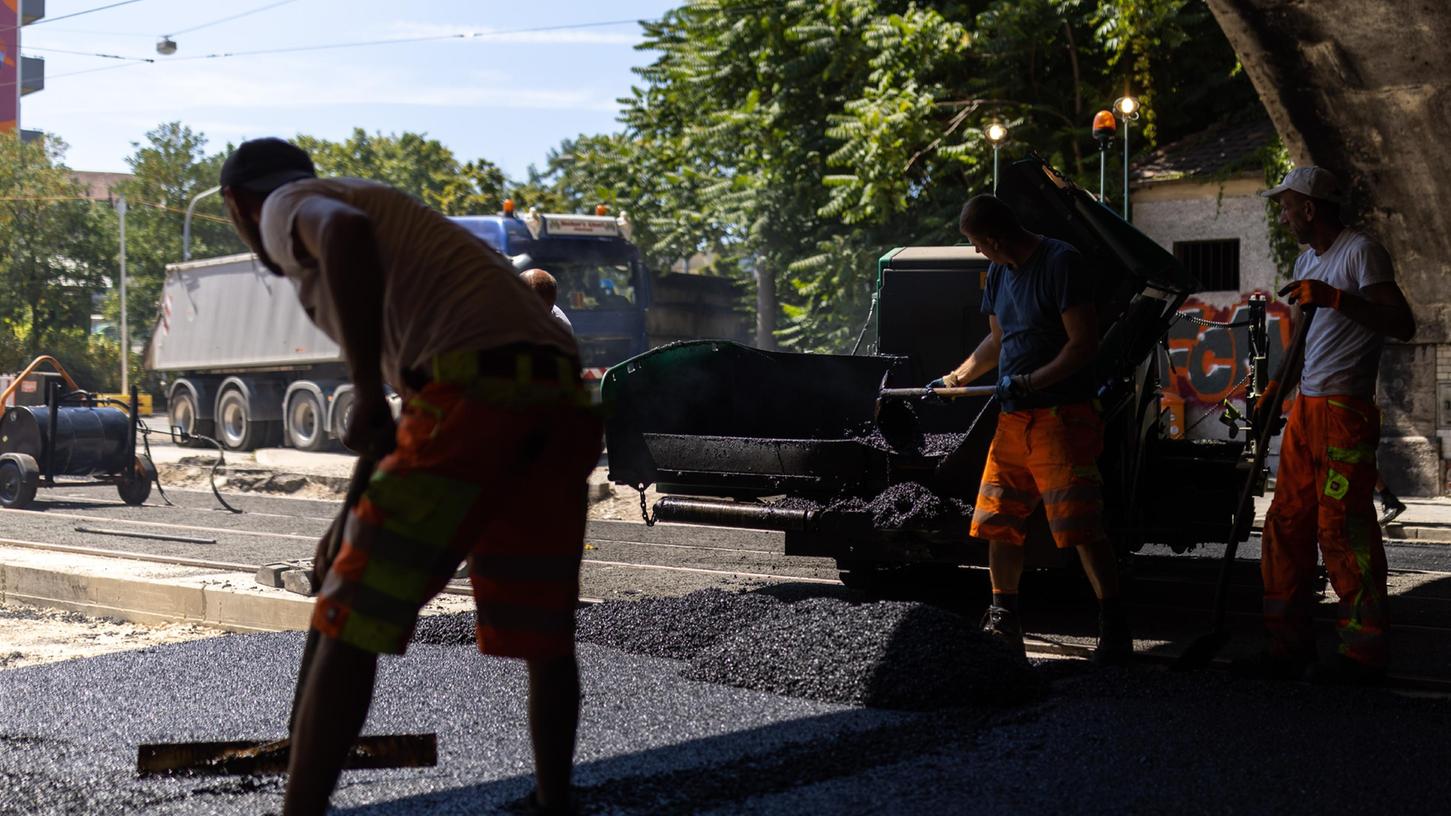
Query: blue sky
[[507, 97]]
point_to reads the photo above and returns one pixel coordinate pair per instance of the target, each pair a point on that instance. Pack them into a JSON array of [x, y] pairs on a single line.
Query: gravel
[[887, 654], [675, 628], [913, 505]]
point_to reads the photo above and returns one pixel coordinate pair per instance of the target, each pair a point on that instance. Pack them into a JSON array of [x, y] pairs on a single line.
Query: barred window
[[1214, 263]]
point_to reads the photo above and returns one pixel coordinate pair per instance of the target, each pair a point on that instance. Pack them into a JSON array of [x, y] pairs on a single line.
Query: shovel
[[897, 419], [1206, 646], [255, 757]]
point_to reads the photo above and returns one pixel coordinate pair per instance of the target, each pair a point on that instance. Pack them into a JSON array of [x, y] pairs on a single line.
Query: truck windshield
[[594, 285]]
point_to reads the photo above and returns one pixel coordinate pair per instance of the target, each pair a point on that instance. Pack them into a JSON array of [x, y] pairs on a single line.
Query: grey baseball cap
[[263, 165], [1315, 182]]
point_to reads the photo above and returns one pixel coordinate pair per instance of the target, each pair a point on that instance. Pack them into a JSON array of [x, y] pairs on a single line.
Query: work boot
[[1339, 670], [1390, 507], [1115, 645], [1268, 665], [1004, 625]]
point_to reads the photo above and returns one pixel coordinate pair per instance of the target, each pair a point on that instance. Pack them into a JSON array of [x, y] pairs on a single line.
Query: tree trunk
[[766, 307]]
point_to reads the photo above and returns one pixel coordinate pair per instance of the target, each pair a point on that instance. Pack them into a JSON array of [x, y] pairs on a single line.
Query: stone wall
[[1364, 87]]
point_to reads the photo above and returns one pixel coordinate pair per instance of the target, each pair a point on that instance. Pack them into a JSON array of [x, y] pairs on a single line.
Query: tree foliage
[[53, 254], [414, 163], [799, 140]]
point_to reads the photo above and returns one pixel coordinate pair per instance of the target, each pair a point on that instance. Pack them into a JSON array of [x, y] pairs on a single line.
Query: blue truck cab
[[604, 289]]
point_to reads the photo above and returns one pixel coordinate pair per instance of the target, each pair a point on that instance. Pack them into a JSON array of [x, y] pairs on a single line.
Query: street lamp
[[996, 134], [186, 223], [1128, 109], [1104, 127]]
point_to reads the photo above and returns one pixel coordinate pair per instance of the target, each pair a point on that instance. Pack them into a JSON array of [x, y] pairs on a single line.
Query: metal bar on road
[[153, 536]]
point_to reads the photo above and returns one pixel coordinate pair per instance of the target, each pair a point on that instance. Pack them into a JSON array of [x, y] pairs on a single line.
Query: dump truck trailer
[[243, 363], [740, 437]]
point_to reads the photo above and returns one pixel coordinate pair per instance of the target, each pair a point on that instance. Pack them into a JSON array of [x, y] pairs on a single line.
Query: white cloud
[[620, 35], [172, 90]]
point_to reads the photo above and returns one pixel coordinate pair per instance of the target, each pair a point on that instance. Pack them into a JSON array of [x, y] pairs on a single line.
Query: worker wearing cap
[[1044, 333], [489, 461], [1327, 473], [547, 288]]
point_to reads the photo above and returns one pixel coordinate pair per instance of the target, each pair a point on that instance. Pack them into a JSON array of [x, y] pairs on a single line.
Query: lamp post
[[1128, 109], [186, 224], [125, 334], [996, 134], [1104, 128]]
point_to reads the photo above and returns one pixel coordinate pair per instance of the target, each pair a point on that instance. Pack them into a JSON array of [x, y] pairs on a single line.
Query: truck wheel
[[305, 427], [182, 413], [236, 429], [342, 415], [19, 477], [135, 484]]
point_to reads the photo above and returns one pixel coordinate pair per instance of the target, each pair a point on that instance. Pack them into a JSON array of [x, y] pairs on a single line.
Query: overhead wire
[[82, 12], [229, 18]]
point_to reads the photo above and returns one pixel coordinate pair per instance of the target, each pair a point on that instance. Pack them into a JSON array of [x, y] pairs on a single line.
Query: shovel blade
[[1200, 652], [259, 758]]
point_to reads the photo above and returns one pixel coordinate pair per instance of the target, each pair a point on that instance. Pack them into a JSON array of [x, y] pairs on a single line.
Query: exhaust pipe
[[725, 513]]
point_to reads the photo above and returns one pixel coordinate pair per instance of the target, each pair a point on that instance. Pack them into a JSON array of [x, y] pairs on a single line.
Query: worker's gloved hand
[[930, 393], [1311, 293], [1014, 386], [371, 430]]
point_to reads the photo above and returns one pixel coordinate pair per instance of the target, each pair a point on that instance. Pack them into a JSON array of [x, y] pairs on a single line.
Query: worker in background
[[1040, 306], [488, 462], [1327, 472], [547, 289]]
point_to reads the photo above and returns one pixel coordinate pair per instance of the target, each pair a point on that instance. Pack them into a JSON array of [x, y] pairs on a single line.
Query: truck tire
[[181, 412], [306, 428], [236, 429], [342, 415], [134, 486], [19, 477]]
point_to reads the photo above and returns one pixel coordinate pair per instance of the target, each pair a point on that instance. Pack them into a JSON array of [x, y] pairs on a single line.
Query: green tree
[[54, 252], [169, 169], [414, 163]]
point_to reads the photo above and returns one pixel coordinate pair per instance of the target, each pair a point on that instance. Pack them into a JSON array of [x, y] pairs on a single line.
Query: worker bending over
[[1040, 305], [489, 461], [1327, 475]]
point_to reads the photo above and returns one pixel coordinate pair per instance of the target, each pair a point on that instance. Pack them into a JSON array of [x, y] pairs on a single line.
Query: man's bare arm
[[983, 359], [1383, 309], [340, 240], [1081, 323]]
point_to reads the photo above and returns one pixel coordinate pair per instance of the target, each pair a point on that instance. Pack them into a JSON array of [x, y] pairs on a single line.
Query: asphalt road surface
[[1139, 739]]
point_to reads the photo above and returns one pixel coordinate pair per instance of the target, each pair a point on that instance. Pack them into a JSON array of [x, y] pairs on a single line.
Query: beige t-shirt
[[443, 288]]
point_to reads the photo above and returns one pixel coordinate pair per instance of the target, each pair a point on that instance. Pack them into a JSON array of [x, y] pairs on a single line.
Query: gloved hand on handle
[[930, 391], [1309, 292], [1014, 386]]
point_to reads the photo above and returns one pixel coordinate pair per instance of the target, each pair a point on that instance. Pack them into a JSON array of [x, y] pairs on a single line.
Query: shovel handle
[[959, 391]]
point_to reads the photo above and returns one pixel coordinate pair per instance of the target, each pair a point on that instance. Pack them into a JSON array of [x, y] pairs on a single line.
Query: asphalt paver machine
[[739, 437], [73, 439]]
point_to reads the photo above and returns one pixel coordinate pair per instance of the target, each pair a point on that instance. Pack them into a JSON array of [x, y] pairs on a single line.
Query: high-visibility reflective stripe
[[1074, 493], [1352, 456], [371, 634], [1007, 519], [996, 491], [1348, 407], [422, 506], [1063, 525]]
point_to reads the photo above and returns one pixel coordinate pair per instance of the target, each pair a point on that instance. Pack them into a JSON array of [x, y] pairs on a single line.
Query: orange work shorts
[[490, 470], [1047, 455]]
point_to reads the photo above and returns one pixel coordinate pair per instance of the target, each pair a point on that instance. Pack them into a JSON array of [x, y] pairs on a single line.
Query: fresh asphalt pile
[[896, 655], [888, 654], [905, 505]]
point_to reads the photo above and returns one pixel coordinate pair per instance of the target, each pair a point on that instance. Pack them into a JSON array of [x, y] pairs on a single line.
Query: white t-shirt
[[444, 289], [562, 318], [1342, 357]]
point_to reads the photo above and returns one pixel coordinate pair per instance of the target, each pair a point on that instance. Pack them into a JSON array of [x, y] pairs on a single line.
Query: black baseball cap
[[263, 165]]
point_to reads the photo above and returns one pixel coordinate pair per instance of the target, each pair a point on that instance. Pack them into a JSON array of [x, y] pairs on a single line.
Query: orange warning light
[[1104, 125]]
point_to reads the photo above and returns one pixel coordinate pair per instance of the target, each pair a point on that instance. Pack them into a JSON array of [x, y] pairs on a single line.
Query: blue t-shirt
[[1029, 303]]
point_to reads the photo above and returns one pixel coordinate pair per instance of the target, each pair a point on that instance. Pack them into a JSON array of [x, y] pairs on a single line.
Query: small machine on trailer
[[74, 439], [799, 443]]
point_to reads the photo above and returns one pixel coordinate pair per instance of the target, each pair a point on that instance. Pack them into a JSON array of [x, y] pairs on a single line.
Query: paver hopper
[[772, 440]]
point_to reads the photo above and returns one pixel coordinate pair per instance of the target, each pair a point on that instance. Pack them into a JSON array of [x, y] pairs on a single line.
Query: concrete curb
[[152, 593]]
